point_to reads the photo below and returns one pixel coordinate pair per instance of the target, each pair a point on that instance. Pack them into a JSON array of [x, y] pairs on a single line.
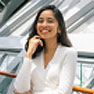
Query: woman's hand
[[33, 44], [15, 92]]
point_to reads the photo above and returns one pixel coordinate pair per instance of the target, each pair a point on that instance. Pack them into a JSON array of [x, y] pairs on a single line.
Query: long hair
[[61, 38]]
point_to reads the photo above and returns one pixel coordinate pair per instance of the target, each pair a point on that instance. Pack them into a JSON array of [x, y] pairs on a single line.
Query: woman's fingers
[[40, 42], [36, 37], [15, 92], [37, 40], [33, 44]]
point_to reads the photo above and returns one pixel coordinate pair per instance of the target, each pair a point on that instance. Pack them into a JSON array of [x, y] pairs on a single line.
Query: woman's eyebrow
[[40, 18], [51, 18]]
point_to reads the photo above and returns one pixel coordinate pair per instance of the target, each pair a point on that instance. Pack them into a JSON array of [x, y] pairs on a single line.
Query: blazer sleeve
[[67, 75], [22, 82]]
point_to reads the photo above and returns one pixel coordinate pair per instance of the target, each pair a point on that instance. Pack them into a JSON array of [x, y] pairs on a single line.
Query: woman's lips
[[44, 31]]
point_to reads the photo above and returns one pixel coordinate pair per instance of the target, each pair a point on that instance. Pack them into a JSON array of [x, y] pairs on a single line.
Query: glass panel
[[84, 74], [6, 83], [6, 62]]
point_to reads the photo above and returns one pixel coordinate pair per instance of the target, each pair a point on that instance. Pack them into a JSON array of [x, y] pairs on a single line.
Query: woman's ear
[[58, 30]]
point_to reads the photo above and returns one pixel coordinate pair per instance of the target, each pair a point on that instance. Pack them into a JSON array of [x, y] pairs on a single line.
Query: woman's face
[[47, 26]]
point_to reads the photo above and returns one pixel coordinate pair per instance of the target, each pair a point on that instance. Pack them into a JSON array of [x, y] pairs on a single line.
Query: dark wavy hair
[[61, 38]]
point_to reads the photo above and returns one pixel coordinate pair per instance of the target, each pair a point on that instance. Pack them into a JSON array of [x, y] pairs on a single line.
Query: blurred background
[[16, 17]]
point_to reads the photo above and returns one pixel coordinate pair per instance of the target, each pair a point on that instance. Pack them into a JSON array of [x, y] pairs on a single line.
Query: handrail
[[84, 90], [75, 88], [8, 74]]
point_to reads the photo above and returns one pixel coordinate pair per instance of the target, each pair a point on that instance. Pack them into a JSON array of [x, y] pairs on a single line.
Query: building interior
[[16, 18]]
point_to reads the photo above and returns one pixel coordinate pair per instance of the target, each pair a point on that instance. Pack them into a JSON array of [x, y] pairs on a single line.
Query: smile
[[45, 31]]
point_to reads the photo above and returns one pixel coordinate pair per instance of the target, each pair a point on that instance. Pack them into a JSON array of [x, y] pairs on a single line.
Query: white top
[[56, 78]]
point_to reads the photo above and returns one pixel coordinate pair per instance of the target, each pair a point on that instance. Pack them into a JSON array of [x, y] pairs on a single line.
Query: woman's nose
[[44, 23]]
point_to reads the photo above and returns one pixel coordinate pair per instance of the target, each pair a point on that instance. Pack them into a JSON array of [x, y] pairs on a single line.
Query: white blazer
[[56, 78]]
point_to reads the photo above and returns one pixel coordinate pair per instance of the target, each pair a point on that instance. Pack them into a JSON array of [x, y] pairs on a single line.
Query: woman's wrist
[[29, 55]]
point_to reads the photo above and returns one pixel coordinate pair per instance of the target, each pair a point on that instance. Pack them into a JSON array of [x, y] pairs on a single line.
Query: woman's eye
[[40, 21], [50, 21]]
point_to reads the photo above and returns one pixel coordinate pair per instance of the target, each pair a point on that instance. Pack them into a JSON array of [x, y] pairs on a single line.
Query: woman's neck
[[50, 45]]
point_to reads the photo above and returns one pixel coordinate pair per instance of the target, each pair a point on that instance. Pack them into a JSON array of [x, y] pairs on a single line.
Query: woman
[[50, 62]]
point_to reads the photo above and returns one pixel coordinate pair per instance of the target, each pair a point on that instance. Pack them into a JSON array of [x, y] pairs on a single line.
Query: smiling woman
[[49, 57], [47, 25]]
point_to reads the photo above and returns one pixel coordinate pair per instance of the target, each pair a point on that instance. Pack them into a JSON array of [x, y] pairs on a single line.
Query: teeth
[[44, 31]]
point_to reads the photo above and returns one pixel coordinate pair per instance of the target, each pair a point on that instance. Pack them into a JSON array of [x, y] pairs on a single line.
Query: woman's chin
[[44, 37]]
